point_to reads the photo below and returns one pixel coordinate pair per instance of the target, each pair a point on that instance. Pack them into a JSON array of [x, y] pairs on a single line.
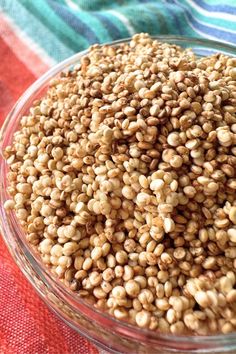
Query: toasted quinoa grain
[[123, 177]]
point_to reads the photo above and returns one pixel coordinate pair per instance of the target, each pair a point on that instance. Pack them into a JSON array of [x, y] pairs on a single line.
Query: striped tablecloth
[[36, 34]]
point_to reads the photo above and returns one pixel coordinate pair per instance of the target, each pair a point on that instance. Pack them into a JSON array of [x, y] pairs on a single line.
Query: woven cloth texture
[[36, 34]]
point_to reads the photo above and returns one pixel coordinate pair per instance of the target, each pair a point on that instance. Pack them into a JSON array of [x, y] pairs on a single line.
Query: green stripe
[[36, 31]]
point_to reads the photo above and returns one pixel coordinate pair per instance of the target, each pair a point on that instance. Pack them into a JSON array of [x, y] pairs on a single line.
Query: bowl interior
[[11, 230]]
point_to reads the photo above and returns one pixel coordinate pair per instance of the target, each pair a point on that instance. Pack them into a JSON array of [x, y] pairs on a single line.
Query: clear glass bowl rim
[[87, 310]]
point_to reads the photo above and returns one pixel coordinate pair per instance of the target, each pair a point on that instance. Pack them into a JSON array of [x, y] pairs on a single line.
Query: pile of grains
[[123, 177]]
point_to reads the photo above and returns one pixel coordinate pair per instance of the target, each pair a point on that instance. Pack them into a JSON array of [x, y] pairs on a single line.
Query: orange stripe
[[20, 49]]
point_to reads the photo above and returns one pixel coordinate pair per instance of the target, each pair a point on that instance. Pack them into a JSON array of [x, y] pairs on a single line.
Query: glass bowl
[[105, 331]]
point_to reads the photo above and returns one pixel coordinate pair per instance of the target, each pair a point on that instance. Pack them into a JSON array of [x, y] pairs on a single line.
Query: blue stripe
[[145, 1], [230, 37], [74, 22], [217, 8], [175, 15], [111, 28]]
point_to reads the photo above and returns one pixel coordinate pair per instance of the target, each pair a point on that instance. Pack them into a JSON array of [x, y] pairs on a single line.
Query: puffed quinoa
[[123, 177]]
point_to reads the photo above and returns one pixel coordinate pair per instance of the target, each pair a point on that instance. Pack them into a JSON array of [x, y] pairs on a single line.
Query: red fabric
[[27, 326], [14, 79]]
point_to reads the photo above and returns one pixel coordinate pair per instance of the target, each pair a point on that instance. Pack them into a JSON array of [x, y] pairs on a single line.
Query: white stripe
[[201, 22], [214, 14], [205, 35], [214, 26], [28, 41], [124, 20], [72, 5], [209, 24]]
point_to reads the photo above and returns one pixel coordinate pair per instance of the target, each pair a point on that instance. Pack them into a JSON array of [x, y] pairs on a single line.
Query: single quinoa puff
[[123, 177]]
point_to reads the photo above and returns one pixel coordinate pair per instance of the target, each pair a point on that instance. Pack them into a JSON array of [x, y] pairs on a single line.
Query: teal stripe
[[176, 16], [62, 30], [224, 8], [102, 5], [118, 23], [91, 20], [137, 21], [215, 3], [161, 19], [36, 30], [153, 21], [221, 23], [207, 30], [62, 2], [73, 21], [161, 14], [65, 33]]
